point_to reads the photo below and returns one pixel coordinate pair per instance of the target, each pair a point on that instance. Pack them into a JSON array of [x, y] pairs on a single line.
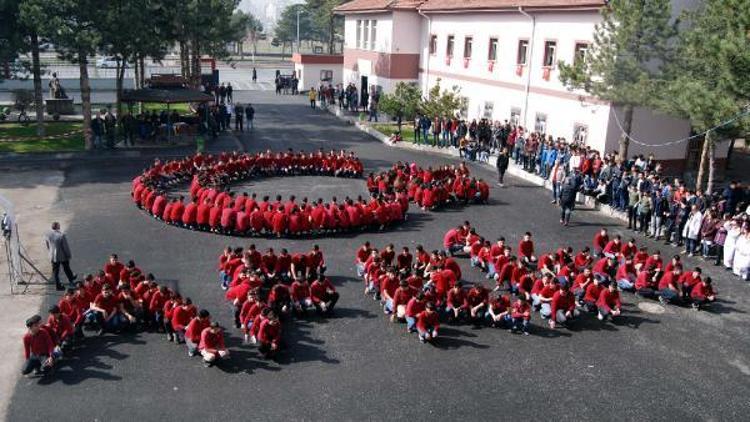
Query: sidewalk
[[513, 169], [36, 197]]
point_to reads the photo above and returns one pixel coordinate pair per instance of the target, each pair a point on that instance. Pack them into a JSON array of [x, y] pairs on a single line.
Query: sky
[[267, 11]]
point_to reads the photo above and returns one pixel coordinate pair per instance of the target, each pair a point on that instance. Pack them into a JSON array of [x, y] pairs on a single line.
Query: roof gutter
[[528, 64]]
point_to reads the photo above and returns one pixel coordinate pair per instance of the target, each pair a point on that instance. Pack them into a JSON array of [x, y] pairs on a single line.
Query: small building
[[312, 70], [503, 55]]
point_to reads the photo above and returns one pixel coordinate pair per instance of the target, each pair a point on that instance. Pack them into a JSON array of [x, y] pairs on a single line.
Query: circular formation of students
[[425, 288], [214, 207]]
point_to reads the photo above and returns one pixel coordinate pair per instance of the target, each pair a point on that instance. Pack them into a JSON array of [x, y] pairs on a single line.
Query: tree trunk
[[85, 100], [183, 60], [142, 64], [36, 70], [6, 69], [195, 77], [119, 76], [704, 161], [331, 25], [627, 126], [711, 166], [136, 74]]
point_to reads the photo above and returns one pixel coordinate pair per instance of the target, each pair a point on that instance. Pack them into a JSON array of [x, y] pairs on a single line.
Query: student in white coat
[[692, 230]]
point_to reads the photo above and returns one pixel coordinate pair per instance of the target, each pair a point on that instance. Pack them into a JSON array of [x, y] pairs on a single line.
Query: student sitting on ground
[[38, 348], [211, 345]]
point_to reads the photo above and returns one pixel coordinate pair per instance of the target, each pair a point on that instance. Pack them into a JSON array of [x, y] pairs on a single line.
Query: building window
[[468, 44], [540, 124], [359, 33], [581, 51], [523, 49], [366, 35], [489, 108], [373, 34], [492, 54], [580, 133], [326, 75], [550, 50], [515, 116], [449, 46], [433, 45]]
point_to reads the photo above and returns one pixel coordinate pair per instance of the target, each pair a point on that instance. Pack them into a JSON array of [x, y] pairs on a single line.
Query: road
[[654, 364]]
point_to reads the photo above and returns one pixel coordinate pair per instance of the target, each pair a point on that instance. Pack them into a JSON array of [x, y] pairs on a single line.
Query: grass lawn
[[18, 130], [25, 139], [388, 129], [74, 143]]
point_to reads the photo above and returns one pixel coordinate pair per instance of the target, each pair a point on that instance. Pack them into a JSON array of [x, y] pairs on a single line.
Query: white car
[[107, 62]]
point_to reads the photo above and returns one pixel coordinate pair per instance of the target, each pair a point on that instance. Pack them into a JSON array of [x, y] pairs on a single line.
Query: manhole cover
[[651, 308]]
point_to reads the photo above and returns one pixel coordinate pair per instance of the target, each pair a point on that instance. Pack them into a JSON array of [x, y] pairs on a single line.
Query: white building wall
[[309, 74], [384, 32], [407, 32]]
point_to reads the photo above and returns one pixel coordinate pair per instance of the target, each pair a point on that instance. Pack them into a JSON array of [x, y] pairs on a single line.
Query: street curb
[[513, 170]]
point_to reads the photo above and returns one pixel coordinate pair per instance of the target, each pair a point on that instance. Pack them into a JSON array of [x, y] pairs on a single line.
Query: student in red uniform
[[476, 303], [60, 327], [563, 307], [301, 296], [38, 348], [104, 310], [212, 346], [113, 268], [702, 294], [456, 307], [428, 323], [413, 308], [401, 299], [526, 249], [195, 330], [670, 289], [269, 336], [520, 315], [181, 317], [498, 310], [609, 304], [600, 241]]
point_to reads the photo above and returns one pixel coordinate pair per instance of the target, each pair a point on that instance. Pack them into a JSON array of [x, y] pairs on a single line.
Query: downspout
[[529, 65], [427, 56]]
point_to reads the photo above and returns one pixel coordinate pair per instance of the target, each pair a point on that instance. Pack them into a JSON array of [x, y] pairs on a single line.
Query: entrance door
[[363, 91]]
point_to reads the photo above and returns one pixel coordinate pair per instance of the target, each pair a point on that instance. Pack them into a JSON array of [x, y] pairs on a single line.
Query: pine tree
[[708, 81], [627, 55]]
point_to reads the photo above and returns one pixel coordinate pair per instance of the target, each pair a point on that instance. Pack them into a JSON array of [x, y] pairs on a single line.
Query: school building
[[503, 55]]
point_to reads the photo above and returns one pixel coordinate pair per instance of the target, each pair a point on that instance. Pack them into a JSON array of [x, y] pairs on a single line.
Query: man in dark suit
[[59, 255]]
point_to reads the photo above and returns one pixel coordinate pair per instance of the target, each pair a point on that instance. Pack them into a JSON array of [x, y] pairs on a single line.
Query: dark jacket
[[502, 161]]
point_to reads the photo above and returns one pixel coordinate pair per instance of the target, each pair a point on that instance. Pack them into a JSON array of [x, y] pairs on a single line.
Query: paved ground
[[663, 364]]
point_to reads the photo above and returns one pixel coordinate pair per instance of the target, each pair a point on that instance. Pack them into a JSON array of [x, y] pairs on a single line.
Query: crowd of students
[[429, 188], [263, 289], [119, 298], [560, 285], [212, 206], [716, 225]]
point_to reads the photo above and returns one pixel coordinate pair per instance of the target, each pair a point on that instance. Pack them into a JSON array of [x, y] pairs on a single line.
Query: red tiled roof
[[451, 5], [467, 5], [377, 5]]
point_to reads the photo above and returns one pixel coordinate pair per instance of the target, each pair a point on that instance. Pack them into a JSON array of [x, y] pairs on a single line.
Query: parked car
[[107, 62]]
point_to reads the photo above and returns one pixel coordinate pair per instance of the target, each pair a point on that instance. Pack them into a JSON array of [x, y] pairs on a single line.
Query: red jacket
[[195, 329], [414, 307], [211, 341], [562, 302], [428, 321], [609, 300], [181, 317], [39, 344], [269, 333]]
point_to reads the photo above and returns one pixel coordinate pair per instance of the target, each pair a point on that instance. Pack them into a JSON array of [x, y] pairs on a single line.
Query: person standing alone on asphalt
[[312, 96], [255, 75], [59, 254], [250, 114], [229, 92], [239, 115], [502, 165]]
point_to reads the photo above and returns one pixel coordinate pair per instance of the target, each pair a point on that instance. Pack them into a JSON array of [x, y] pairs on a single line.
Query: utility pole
[[299, 10]]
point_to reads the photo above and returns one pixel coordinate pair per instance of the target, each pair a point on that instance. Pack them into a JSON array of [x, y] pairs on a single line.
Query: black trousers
[[238, 124], [66, 268]]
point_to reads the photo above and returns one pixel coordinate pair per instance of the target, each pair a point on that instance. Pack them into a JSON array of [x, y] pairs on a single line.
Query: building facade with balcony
[[503, 55]]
